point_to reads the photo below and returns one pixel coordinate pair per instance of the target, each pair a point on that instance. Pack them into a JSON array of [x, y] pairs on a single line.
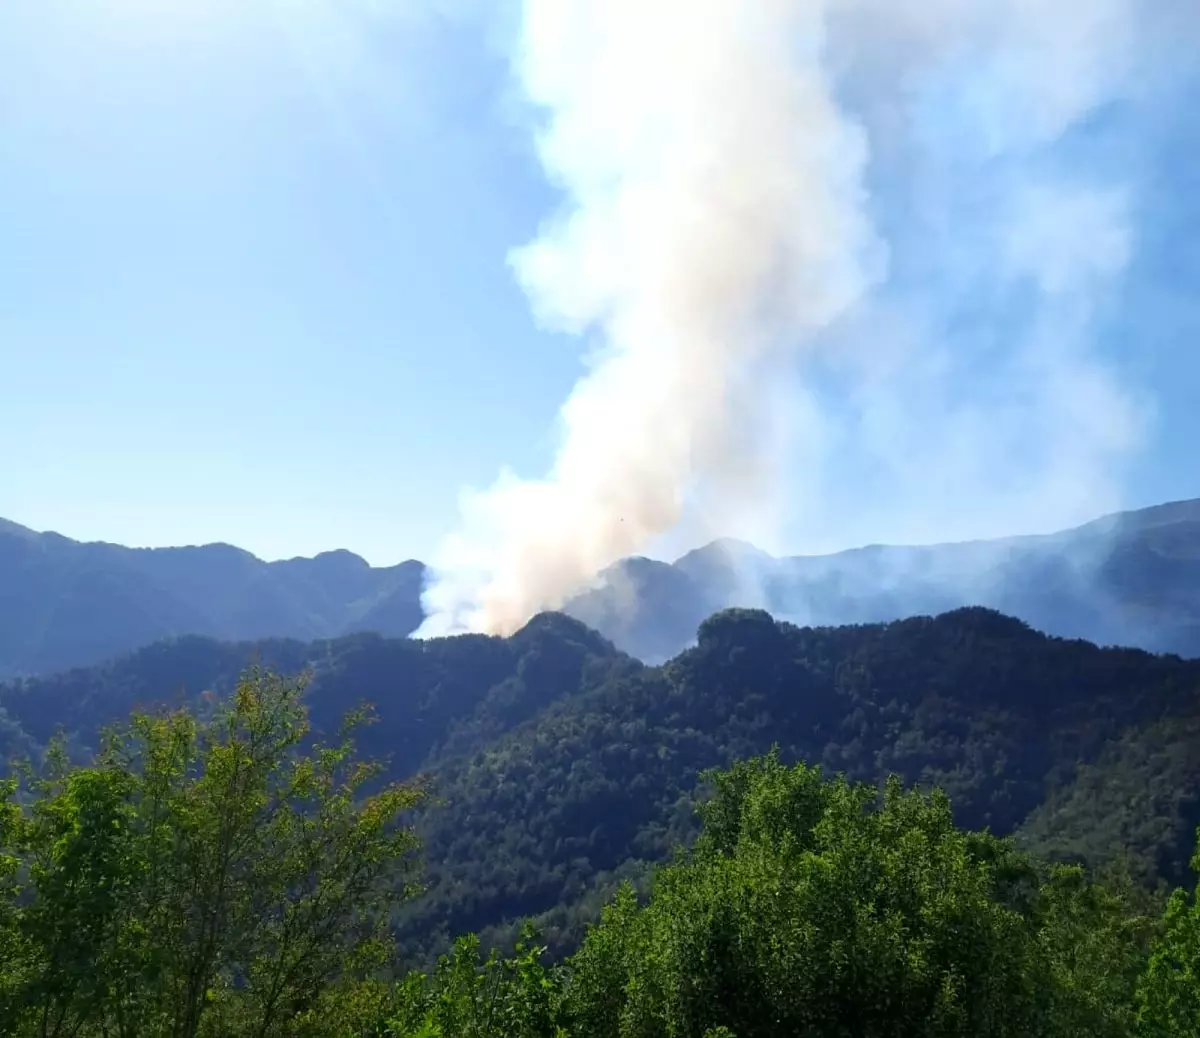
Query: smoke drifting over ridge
[[721, 241]]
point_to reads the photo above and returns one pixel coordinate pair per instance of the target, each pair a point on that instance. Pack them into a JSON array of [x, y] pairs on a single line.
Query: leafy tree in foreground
[[807, 909], [216, 878], [12, 954], [1169, 993], [226, 877], [467, 996]]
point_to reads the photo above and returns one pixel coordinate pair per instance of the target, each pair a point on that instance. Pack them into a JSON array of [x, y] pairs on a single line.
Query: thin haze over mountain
[[1129, 579], [721, 248]]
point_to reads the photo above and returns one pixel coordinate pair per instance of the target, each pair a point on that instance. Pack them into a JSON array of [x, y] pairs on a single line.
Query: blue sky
[[253, 279], [253, 282]]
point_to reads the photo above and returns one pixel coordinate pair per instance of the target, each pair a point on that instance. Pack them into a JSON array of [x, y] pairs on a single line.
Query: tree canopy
[[200, 878], [965, 828], [231, 876]]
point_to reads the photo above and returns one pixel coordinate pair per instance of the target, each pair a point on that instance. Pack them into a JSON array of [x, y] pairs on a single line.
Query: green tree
[[13, 955], [1169, 992], [1093, 944], [83, 867], [814, 907], [467, 996], [205, 878]]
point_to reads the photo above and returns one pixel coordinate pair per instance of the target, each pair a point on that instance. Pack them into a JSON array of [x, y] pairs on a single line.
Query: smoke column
[[717, 226], [715, 213]]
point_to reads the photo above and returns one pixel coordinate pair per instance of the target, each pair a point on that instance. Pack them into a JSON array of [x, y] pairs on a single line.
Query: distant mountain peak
[[69, 603], [337, 557], [562, 626], [726, 554], [1167, 514], [1131, 578], [985, 620], [729, 546], [16, 530]]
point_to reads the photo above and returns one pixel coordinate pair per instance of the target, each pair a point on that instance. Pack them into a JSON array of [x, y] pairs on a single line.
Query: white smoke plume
[[718, 234]]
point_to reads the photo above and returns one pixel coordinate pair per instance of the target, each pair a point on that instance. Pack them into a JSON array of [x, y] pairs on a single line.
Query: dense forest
[[561, 767], [1082, 754], [230, 876]]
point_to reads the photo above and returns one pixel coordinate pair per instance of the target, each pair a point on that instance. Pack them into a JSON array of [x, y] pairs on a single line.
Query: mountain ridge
[[66, 603], [1130, 577], [1127, 578]]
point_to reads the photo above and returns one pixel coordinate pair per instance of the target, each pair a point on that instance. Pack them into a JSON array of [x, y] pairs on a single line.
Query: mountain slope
[[559, 763], [64, 603], [449, 692], [1019, 728], [1128, 579]]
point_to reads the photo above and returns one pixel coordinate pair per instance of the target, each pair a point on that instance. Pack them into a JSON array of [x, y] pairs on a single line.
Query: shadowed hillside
[[457, 691], [64, 603]]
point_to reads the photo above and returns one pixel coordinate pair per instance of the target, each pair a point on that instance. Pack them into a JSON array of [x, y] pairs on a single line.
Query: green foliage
[[1093, 941], [211, 878], [1169, 993], [13, 953], [566, 768], [469, 996], [815, 907], [538, 822], [230, 876], [448, 695], [563, 770], [1137, 801], [808, 909]]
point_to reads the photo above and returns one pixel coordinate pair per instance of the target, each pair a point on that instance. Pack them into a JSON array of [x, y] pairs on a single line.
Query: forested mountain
[[1086, 753], [558, 763], [427, 694], [220, 875], [1130, 579]]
